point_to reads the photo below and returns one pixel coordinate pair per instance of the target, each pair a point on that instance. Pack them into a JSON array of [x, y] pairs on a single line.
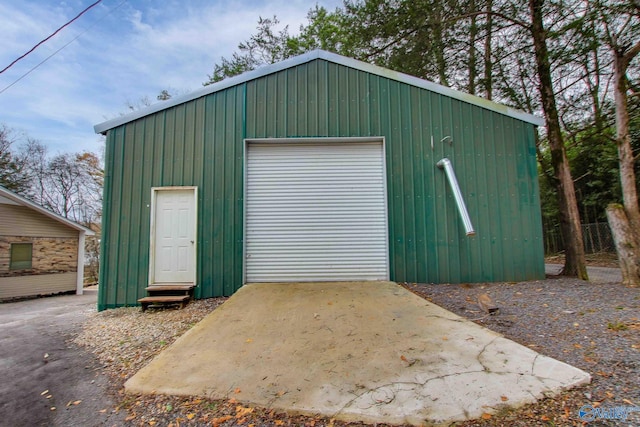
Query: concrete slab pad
[[367, 351]]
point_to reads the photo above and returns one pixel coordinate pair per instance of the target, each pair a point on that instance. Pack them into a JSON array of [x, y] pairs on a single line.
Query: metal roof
[[19, 200], [330, 57]]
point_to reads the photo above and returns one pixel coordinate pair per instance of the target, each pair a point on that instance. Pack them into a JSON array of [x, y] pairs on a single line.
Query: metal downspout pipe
[[457, 195]]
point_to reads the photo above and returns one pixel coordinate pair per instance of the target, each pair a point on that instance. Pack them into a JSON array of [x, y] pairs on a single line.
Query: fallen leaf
[[445, 338], [130, 417], [627, 401], [486, 416], [232, 401], [242, 411], [249, 340], [577, 346], [191, 416], [609, 394], [504, 398], [404, 359], [219, 420], [279, 422], [152, 422], [77, 402], [236, 391], [545, 418], [102, 411]]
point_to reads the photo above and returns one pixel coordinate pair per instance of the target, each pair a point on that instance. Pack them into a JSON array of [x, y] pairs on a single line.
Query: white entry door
[[173, 236]]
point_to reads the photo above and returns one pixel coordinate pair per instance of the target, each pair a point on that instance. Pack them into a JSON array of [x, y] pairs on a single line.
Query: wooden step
[[169, 290], [164, 300]]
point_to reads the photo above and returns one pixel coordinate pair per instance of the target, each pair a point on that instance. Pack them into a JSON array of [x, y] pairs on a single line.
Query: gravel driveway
[[46, 379], [594, 326]]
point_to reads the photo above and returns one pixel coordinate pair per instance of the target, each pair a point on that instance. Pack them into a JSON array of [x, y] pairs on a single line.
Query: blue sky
[[127, 50]]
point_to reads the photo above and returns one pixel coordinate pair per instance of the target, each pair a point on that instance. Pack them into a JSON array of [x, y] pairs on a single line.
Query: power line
[[53, 34], [43, 61], [67, 44]]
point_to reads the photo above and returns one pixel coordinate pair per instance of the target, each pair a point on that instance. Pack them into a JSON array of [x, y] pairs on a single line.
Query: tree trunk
[[625, 152], [575, 264], [626, 245], [471, 64], [488, 65], [438, 28]]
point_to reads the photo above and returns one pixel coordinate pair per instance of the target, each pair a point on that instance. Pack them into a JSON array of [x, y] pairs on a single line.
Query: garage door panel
[[315, 212], [323, 274]]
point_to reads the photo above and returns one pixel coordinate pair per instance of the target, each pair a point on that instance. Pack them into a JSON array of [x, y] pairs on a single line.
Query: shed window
[[21, 256]]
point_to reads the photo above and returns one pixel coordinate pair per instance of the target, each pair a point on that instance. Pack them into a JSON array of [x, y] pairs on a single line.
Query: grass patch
[[617, 326]]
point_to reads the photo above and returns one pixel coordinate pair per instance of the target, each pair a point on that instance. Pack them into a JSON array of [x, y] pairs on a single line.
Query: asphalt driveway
[[46, 379]]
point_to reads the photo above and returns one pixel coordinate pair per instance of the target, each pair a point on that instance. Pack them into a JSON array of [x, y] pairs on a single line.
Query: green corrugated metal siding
[[200, 143]]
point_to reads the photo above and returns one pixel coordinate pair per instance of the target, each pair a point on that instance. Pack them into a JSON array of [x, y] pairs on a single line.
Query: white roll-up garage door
[[315, 211]]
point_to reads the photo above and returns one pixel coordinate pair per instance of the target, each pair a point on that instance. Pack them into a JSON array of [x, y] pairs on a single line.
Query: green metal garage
[[318, 168]]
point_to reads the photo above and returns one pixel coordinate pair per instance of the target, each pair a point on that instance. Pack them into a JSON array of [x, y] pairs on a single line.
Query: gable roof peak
[[330, 57]]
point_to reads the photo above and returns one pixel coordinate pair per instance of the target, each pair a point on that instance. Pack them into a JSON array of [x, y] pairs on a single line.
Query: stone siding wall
[[50, 255]]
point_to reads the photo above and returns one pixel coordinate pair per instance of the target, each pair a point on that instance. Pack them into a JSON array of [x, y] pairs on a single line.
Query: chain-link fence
[[597, 238]]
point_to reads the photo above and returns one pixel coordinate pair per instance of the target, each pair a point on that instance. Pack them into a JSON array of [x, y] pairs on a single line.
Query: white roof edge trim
[[327, 56], [36, 207]]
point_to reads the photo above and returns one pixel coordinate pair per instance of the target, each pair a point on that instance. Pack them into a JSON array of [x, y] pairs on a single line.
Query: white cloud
[[131, 51], [22, 27]]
